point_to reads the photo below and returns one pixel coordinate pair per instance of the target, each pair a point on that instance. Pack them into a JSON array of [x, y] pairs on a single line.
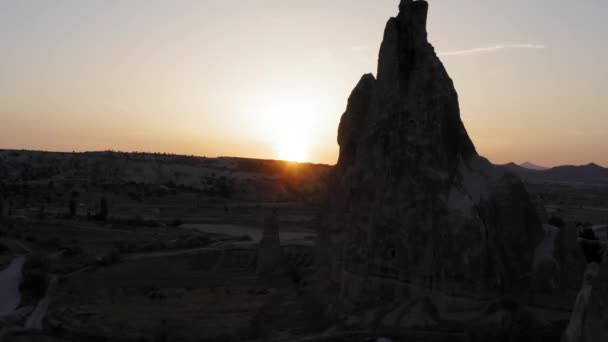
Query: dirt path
[[36, 318], [254, 233], [10, 278], [137, 256]]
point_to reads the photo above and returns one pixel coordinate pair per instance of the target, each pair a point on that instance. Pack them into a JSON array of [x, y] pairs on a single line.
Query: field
[[574, 205], [184, 296], [153, 246], [166, 248]]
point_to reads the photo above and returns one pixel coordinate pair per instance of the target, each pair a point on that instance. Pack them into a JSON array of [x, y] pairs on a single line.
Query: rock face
[[413, 209], [595, 327], [589, 320]]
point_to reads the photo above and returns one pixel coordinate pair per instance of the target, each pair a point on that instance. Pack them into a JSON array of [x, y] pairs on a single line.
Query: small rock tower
[[270, 255]]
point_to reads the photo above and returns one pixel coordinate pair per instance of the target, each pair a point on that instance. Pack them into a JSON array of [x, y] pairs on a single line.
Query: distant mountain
[[88, 172], [589, 175], [532, 166], [517, 169]]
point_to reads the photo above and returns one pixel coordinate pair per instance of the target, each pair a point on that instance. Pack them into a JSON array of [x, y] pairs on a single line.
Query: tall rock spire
[[412, 207]]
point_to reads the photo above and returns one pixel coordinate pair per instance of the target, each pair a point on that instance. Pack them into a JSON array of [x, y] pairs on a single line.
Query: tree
[[72, 207], [74, 203], [103, 209], [557, 222], [42, 212]]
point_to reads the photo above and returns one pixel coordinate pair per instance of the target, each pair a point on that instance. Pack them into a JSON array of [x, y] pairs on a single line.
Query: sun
[[292, 150], [286, 124]]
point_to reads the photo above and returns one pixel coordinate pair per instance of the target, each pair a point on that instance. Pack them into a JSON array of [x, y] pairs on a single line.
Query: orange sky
[[270, 79]]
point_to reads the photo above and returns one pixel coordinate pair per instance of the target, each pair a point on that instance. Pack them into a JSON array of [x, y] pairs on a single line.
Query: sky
[[270, 78]]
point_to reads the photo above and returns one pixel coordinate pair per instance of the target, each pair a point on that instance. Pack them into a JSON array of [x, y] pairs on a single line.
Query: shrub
[[103, 212], [73, 251], [126, 247], [36, 262], [592, 249], [72, 208], [153, 246], [3, 248], [35, 283], [557, 222], [111, 257], [192, 242], [50, 243]]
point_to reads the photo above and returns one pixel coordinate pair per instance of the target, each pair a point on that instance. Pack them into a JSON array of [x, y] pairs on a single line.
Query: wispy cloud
[[493, 48], [360, 48], [328, 58]]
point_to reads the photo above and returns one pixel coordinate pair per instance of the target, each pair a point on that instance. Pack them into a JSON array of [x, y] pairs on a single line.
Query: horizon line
[[2, 149]]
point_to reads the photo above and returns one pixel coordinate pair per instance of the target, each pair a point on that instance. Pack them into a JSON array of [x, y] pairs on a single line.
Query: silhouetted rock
[[589, 321], [532, 166], [413, 209], [590, 175], [596, 322]]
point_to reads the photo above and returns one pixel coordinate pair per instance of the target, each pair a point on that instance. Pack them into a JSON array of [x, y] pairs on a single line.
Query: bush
[[103, 212], [593, 250], [52, 243], [72, 207], [111, 257], [3, 248], [192, 242], [36, 262], [35, 283], [73, 251], [557, 222], [153, 246], [126, 247]]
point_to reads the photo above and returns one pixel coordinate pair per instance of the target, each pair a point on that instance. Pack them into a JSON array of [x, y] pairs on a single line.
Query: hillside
[[590, 175], [151, 186]]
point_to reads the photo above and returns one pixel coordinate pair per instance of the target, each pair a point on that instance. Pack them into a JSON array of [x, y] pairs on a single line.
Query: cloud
[[489, 49]]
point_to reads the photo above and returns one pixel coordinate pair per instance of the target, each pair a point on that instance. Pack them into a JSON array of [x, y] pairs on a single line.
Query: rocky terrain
[[236, 178], [584, 176], [532, 166], [132, 246], [589, 321]]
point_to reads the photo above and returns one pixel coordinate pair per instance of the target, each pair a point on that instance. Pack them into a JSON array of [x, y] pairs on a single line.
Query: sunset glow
[[184, 78], [292, 151]]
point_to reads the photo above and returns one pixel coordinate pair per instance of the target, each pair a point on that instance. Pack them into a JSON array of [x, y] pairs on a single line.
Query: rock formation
[[270, 260], [413, 210], [589, 320], [595, 327]]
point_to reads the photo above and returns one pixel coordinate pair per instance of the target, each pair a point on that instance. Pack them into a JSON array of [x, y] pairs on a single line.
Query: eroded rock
[[589, 320], [413, 210], [270, 259]]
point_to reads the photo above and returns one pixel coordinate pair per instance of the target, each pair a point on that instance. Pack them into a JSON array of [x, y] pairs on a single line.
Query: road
[[37, 316], [162, 254], [10, 278], [254, 233]]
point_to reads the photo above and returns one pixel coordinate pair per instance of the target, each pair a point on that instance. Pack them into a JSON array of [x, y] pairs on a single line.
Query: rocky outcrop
[[589, 320], [413, 210], [270, 259], [595, 327]]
